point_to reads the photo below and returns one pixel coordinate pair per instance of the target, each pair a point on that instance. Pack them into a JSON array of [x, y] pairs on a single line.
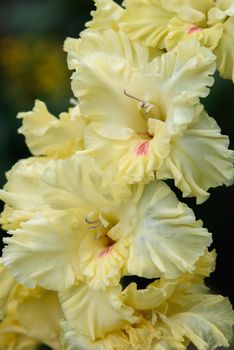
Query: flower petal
[[44, 251], [22, 193], [95, 313], [146, 21], [74, 340], [206, 321], [225, 50], [180, 30], [199, 159], [167, 240], [47, 135], [7, 284]]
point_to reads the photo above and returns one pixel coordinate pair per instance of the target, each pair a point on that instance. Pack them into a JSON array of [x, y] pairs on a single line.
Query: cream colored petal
[[206, 321], [102, 264], [199, 159], [106, 15], [72, 47], [95, 313], [78, 182], [7, 283], [139, 158], [189, 10], [22, 193], [76, 341], [225, 50], [146, 21], [167, 239], [220, 12], [149, 298], [111, 43], [10, 340], [180, 30], [100, 84], [169, 344], [140, 335], [50, 136], [44, 251], [173, 83], [39, 313]]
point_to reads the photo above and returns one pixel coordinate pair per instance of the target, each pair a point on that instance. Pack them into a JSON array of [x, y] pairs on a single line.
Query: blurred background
[[33, 65]]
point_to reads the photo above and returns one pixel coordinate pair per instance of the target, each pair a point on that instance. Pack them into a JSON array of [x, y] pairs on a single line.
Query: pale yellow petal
[[199, 159], [44, 251], [22, 193], [146, 21], [95, 313], [73, 340], [106, 15], [167, 239], [50, 136], [140, 335], [78, 182], [100, 84], [189, 10], [72, 47], [220, 12], [173, 83], [102, 264], [7, 283], [206, 321], [149, 298], [225, 50], [180, 30], [39, 313]]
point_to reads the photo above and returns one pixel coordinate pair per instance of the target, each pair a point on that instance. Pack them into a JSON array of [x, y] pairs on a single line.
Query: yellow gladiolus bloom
[[163, 24], [168, 315], [98, 231]]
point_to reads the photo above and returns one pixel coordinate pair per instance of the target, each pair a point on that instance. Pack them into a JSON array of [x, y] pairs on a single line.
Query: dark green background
[[33, 65]]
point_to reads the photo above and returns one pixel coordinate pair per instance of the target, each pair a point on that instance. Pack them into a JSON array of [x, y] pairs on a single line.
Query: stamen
[[91, 222], [144, 104]]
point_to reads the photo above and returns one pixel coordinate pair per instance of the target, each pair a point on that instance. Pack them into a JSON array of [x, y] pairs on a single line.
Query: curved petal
[[189, 10], [7, 284], [225, 50], [100, 84], [146, 21], [167, 240], [149, 298], [199, 159], [78, 182], [44, 324], [173, 83], [102, 265], [74, 340], [180, 30], [49, 136], [106, 15], [22, 193], [44, 251], [206, 320], [95, 313]]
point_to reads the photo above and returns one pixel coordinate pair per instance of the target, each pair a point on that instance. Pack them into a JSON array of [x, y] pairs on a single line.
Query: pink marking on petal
[[142, 149], [192, 29], [105, 251]]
